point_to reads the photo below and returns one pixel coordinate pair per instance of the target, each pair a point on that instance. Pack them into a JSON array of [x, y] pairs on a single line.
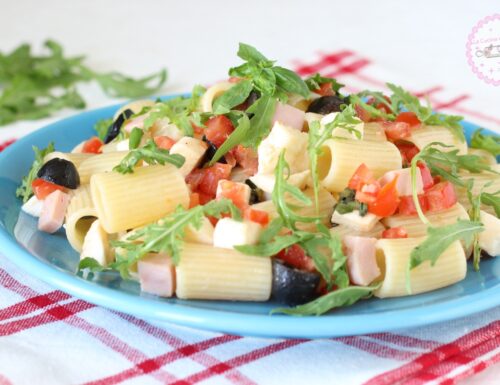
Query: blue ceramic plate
[[51, 259]]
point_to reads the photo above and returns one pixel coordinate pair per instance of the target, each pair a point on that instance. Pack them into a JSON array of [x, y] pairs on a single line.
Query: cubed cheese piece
[[229, 233], [163, 127], [403, 184], [122, 145], [266, 181], [205, 234], [283, 137], [33, 206], [53, 211], [342, 132], [361, 259], [238, 192], [289, 116], [489, 239], [356, 221], [96, 244], [157, 275], [192, 150]]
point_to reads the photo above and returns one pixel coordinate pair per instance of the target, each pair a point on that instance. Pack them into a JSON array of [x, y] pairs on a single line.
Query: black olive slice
[[115, 127], [292, 286], [327, 104], [61, 172], [256, 194], [210, 152]]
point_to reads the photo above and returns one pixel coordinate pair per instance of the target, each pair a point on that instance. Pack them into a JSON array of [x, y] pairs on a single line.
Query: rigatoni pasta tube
[[416, 228], [393, 256], [325, 208], [79, 216], [73, 157], [425, 135], [207, 272], [99, 163], [126, 201], [341, 158], [343, 230], [374, 132], [485, 181]]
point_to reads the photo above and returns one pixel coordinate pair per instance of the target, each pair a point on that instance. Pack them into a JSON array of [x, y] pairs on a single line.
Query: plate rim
[[232, 322]]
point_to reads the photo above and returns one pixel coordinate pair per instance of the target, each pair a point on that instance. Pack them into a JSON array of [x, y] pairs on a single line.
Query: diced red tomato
[[396, 130], [407, 206], [92, 146], [409, 118], [441, 196], [197, 131], [365, 197], [387, 200], [395, 232], [408, 151], [246, 158], [325, 89], [236, 192], [164, 142], [218, 129], [42, 188], [296, 257], [205, 198], [194, 200], [258, 216], [381, 106], [362, 114], [427, 179], [205, 180], [363, 175]]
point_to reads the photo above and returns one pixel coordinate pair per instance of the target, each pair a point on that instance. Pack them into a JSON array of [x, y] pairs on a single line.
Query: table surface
[[413, 43]]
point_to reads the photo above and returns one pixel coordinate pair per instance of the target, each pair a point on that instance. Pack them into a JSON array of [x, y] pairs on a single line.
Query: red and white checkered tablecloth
[[49, 337]]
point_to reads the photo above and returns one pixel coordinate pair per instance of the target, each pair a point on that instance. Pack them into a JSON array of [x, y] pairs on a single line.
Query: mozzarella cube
[[489, 239], [283, 137], [122, 145], [229, 233], [204, 235], [403, 184], [266, 181], [356, 221], [96, 244], [192, 150], [230, 189], [33, 206]]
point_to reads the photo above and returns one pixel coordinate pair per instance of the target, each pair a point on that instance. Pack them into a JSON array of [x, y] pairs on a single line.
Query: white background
[[417, 42]]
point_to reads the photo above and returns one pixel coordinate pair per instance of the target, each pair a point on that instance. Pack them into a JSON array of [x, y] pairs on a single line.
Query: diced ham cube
[[289, 116], [403, 184], [53, 211], [135, 122], [157, 275], [361, 260]]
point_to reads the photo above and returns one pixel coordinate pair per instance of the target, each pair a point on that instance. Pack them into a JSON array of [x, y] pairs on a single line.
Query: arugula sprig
[[34, 87], [315, 81], [165, 236], [25, 191], [152, 154], [317, 136], [447, 165], [490, 143], [403, 100]]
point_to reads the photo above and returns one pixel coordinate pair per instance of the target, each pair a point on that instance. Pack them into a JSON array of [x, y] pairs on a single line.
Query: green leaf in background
[[490, 143]]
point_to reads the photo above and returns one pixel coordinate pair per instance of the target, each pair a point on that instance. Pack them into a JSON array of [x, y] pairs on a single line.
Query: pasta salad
[[270, 186]]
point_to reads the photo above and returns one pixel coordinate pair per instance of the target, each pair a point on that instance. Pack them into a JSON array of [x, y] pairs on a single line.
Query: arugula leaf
[[493, 200], [268, 249], [268, 79], [102, 127], [374, 112], [166, 236], [338, 298], [176, 111], [91, 264], [440, 238], [25, 191], [135, 138], [237, 136], [281, 189], [236, 95], [317, 136], [490, 143], [475, 216], [34, 87], [152, 154], [403, 99], [315, 81]]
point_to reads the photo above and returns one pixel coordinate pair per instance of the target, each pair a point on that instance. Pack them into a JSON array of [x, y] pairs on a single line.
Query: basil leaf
[[290, 82], [260, 123], [338, 298], [249, 53], [236, 95], [237, 136]]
